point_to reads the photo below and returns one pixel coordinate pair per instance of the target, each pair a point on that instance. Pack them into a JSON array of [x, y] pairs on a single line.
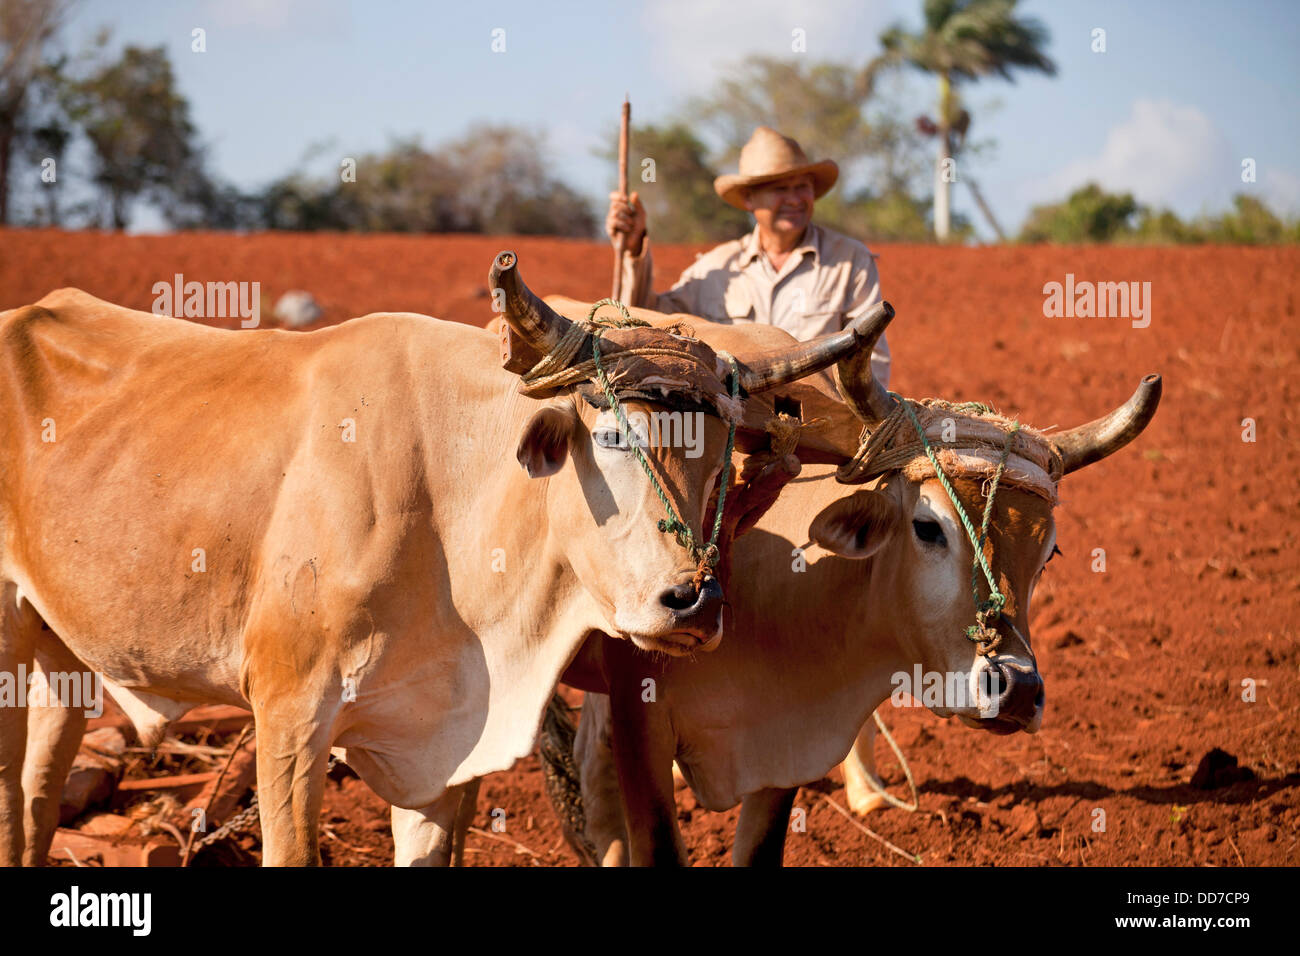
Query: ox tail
[[562, 779]]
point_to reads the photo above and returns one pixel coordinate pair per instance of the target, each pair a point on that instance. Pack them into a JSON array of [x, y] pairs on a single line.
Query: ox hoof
[[679, 781], [860, 796], [864, 803]]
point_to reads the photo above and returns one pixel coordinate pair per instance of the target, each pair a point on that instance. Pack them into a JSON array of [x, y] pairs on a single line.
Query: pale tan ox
[[376, 573], [818, 635]]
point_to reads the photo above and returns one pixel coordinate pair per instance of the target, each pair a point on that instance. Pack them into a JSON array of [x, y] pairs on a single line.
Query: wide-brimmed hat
[[767, 156]]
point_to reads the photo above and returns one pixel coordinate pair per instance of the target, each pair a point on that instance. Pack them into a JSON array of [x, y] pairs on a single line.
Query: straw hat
[[767, 156]]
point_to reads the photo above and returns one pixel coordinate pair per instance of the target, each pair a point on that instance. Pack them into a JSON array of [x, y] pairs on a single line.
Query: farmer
[[788, 272]]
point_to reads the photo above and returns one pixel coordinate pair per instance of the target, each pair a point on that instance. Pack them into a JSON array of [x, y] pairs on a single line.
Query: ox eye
[[616, 439], [1055, 552], [929, 531]]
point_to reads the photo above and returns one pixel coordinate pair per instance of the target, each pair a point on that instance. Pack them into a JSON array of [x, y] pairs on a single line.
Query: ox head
[[923, 555], [632, 481]]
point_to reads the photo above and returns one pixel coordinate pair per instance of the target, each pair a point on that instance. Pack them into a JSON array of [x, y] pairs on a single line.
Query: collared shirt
[[827, 281]]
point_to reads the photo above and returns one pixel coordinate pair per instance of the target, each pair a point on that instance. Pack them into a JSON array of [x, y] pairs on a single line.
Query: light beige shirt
[[827, 281]]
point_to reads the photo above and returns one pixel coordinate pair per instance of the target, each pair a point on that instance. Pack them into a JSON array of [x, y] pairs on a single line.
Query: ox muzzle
[[696, 609], [1010, 694]]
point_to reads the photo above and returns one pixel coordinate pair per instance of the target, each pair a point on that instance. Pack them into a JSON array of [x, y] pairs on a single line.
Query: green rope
[[707, 556], [980, 632]]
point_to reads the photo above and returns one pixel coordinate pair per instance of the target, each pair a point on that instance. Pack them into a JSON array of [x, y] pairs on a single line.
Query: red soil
[[1144, 663]]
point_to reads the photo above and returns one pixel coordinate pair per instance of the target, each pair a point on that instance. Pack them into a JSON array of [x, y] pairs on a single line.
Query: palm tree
[[961, 41]]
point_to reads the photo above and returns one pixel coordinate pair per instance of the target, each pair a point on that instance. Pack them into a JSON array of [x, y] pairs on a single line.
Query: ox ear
[[544, 444], [857, 526]]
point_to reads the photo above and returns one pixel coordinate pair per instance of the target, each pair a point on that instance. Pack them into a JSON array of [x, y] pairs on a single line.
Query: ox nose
[[695, 607], [1021, 693]]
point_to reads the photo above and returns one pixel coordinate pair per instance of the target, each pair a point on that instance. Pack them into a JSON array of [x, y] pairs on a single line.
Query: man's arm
[[638, 277], [627, 216], [864, 293], [638, 285]]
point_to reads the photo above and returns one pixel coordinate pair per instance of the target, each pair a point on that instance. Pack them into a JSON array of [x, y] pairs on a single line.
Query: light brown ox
[[408, 597], [818, 635]]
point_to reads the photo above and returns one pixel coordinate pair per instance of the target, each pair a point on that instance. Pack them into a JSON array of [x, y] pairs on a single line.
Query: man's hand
[[626, 216]]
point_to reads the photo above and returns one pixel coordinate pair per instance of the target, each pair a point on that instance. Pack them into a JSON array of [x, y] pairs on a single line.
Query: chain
[[245, 818]]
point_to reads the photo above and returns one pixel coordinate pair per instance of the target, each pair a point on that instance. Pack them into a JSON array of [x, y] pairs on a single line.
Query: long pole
[[622, 191]]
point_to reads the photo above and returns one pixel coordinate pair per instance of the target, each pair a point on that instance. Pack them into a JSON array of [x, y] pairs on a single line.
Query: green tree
[[677, 189], [504, 184], [893, 216], [1249, 223], [1163, 227], [26, 26], [494, 179], [139, 129], [828, 108], [1090, 214], [961, 41], [819, 104]]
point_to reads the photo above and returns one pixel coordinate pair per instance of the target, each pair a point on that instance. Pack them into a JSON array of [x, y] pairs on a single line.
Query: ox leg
[[434, 835], [54, 733], [292, 756], [594, 756], [424, 836], [464, 817], [858, 768], [644, 747], [764, 822], [19, 627]]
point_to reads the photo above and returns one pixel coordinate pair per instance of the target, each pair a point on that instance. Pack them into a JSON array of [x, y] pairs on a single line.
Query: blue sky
[[1183, 93]]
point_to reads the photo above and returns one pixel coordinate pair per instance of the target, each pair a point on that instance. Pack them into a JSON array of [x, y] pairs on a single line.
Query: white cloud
[[692, 39], [1164, 153]]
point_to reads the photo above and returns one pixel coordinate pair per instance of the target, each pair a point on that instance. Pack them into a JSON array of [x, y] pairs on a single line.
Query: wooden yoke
[[516, 355]]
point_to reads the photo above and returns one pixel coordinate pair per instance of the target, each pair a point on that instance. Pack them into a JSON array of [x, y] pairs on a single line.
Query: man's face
[[783, 206]]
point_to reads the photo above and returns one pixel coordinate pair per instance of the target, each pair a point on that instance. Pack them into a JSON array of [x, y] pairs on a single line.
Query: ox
[[327, 528], [820, 630]]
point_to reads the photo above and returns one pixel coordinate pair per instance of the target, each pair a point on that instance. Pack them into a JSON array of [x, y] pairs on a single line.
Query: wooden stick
[[617, 295], [167, 783], [870, 832], [519, 847]]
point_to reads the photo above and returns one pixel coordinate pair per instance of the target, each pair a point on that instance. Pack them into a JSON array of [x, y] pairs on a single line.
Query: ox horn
[[859, 338], [1094, 441], [532, 319], [857, 384]]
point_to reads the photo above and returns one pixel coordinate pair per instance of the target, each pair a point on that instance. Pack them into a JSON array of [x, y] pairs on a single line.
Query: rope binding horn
[[554, 368], [887, 448]]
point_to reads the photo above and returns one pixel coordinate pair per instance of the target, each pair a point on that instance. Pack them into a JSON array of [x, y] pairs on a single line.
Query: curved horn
[[532, 319], [858, 339], [857, 384], [1094, 441]]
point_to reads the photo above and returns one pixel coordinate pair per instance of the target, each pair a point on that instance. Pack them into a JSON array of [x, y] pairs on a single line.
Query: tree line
[[123, 124]]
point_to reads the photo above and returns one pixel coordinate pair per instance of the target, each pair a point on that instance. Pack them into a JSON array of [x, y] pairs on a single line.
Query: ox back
[[284, 519]]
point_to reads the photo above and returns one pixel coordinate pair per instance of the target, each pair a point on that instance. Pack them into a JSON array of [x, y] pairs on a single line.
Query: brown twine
[[894, 443], [786, 430], [555, 363], [552, 372]]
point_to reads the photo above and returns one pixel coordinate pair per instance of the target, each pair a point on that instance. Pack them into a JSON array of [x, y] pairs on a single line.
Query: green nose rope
[[986, 637], [706, 558]]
